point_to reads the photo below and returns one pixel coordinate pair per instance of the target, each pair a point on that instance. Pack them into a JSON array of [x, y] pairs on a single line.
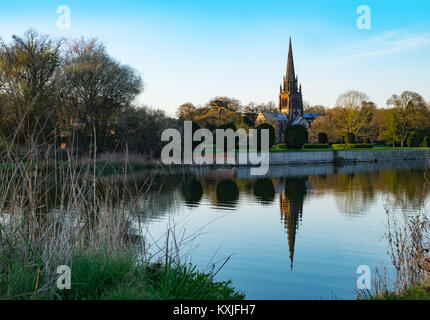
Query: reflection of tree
[[264, 191], [291, 201], [192, 191], [356, 192], [227, 193]]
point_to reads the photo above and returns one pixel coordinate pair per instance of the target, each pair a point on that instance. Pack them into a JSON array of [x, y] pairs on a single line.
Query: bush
[[416, 139], [353, 146], [281, 146], [322, 138], [296, 136], [272, 135], [316, 146], [425, 143]]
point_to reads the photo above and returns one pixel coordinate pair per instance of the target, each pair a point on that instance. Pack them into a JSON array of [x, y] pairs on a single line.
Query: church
[[290, 110]]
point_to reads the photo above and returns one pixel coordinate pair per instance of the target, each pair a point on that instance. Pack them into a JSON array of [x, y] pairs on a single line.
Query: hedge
[[316, 146], [353, 146], [280, 146]]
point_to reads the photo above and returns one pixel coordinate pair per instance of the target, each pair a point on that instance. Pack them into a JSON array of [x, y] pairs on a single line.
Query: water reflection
[[192, 191], [264, 191], [253, 211], [227, 193], [356, 192], [291, 202]]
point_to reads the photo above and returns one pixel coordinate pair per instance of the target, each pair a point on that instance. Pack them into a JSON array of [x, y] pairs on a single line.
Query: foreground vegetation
[[408, 236], [100, 275], [418, 292]]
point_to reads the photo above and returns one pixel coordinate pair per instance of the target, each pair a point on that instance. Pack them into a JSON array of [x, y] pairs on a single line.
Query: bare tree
[[354, 111], [96, 88]]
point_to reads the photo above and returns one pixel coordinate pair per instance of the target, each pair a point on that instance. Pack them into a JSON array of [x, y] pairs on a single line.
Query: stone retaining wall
[[343, 156]]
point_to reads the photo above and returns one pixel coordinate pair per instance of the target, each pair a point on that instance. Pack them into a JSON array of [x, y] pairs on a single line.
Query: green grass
[[103, 276], [421, 292]]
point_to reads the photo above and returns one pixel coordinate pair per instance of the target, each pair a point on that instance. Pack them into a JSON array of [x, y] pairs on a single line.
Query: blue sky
[[194, 50]]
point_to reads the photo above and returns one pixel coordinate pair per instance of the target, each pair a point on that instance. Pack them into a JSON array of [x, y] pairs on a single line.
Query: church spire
[[291, 74], [290, 98]]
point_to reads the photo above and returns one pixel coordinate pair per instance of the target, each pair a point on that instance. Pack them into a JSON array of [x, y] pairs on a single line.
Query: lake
[[300, 232]]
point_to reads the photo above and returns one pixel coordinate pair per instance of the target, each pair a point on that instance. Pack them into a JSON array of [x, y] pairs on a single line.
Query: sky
[[194, 50]]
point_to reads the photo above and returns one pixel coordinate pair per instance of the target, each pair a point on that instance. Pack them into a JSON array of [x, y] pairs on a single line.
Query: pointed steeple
[[291, 74]]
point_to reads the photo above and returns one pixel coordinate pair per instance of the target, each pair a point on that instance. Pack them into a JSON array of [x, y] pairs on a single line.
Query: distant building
[[279, 121], [290, 110]]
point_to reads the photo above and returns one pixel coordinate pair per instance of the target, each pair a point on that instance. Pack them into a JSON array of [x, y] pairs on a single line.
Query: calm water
[[299, 233]]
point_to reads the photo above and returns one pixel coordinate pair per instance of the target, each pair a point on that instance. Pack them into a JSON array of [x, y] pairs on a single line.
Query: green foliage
[[317, 146], [140, 130], [118, 276], [418, 292], [272, 135], [349, 138], [353, 146], [426, 142], [296, 136], [186, 283], [322, 138], [227, 126], [410, 142], [281, 146]]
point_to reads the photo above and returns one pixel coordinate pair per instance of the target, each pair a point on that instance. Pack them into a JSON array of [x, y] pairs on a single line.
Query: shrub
[[415, 140], [353, 146], [281, 146], [316, 146], [425, 143], [272, 135], [296, 136], [322, 138]]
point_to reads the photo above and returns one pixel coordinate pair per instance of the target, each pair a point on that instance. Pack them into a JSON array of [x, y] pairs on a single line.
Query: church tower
[[290, 97]]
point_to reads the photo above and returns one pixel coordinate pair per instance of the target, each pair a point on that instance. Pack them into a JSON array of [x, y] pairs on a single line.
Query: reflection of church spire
[[291, 201], [291, 213]]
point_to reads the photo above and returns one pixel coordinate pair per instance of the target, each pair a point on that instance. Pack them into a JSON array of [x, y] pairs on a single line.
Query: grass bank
[[114, 276], [419, 292], [65, 213]]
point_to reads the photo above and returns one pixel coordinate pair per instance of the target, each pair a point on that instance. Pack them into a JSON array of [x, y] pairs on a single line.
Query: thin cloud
[[389, 43]]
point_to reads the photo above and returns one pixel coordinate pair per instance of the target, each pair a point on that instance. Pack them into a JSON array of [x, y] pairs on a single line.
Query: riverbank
[[114, 276], [421, 292], [345, 156], [290, 157]]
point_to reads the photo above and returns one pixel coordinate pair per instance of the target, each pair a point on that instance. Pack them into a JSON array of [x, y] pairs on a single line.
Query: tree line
[[355, 118], [72, 94], [404, 123], [58, 94]]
